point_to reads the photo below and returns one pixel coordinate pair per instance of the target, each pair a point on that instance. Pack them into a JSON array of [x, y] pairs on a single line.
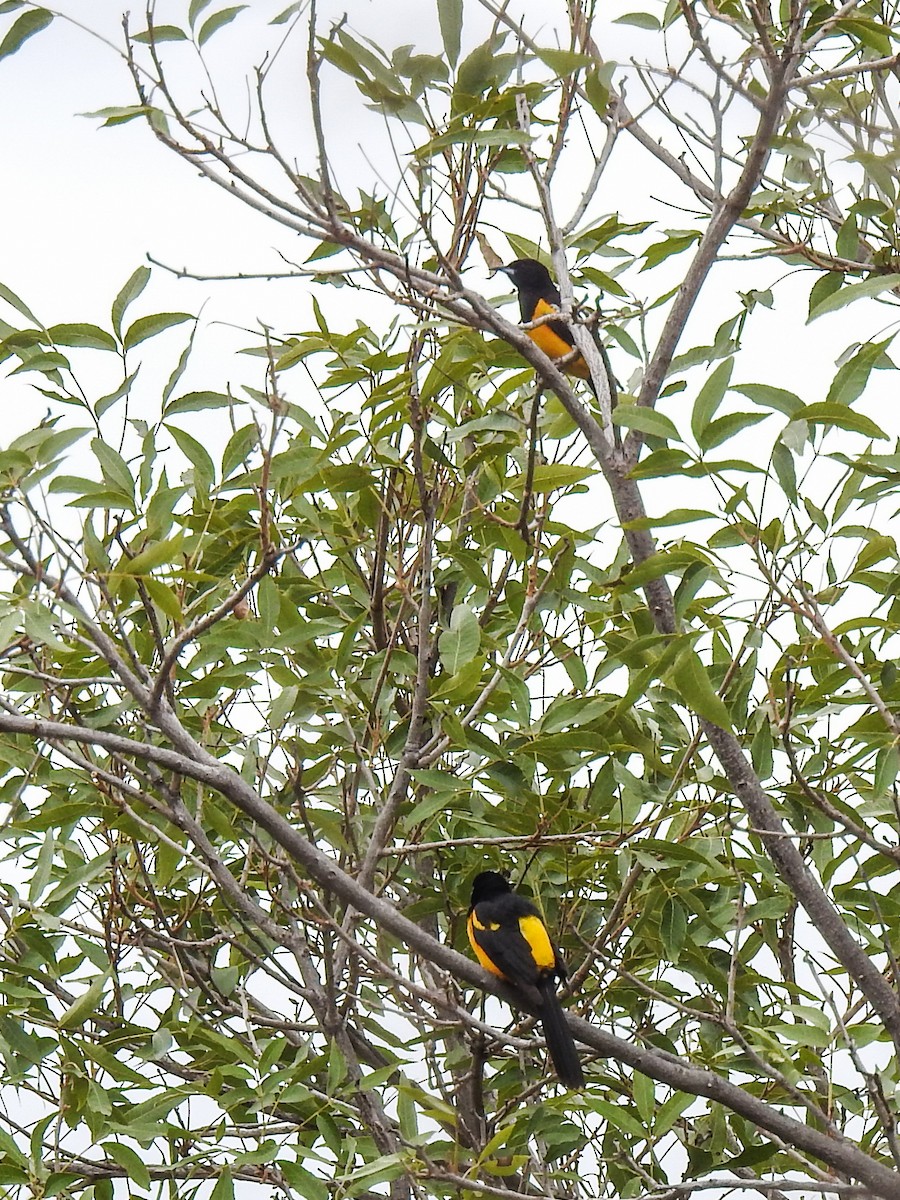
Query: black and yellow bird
[[538, 297], [511, 941]]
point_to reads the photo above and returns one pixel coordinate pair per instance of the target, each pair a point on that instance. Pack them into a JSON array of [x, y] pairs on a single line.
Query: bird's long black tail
[[560, 1042]]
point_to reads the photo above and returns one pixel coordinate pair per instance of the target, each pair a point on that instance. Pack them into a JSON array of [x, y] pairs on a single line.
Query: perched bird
[[538, 296], [511, 941]]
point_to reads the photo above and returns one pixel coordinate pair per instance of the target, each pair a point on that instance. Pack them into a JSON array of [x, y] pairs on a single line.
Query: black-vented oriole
[[511, 941], [538, 296]]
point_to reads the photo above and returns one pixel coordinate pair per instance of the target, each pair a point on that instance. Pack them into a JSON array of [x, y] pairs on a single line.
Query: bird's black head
[[529, 274], [488, 885]]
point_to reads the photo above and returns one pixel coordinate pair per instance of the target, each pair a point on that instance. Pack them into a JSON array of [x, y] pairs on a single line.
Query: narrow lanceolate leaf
[[647, 420], [693, 684], [224, 1189], [842, 418], [195, 8], [120, 114], [675, 516], [852, 376], [726, 427], [552, 478], [205, 472], [114, 468], [26, 26], [673, 928], [217, 21], [131, 1162], [564, 62], [19, 305], [459, 644], [854, 291], [827, 285], [195, 401], [132, 289], [151, 556], [85, 1006], [91, 337], [768, 396], [450, 15], [710, 397], [286, 14], [642, 20], [160, 33], [147, 327]]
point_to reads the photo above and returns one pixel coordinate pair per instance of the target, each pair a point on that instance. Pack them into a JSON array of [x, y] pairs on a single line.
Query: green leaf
[[547, 478], [710, 397], [474, 137], [19, 305], [642, 20], [847, 244], [564, 62], [670, 1110], [803, 1034], [568, 712], [676, 243], [303, 1182], [85, 1006], [661, 464], [285, 15], [841, 417], [824, 287], [26, 26], [619, 1116], [106, 402], [723, 428], [854, 291], [197, 454], [224, 1189], [89, 336], [886, 769], [853, 375], [483, 68], [459, 644], [195, 8], [663, 562], [691, 681], [783, 462], [160, 33], [647, 420], [675, 516], [217, 21], [147, 327], [450, 16], [114, 468], [48, 362], [130, 1161], [673, 928], [153, 555], [129, 292], [120, 114], [180, 368], [197, 401], [239, 446], [771, 397], [164, 597], [644, 1091]]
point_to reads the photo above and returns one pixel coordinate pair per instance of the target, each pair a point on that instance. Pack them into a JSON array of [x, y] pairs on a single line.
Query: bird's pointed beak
[[501, 271]]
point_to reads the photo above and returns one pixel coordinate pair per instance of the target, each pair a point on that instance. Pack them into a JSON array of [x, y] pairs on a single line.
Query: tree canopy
[[285, 666]]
